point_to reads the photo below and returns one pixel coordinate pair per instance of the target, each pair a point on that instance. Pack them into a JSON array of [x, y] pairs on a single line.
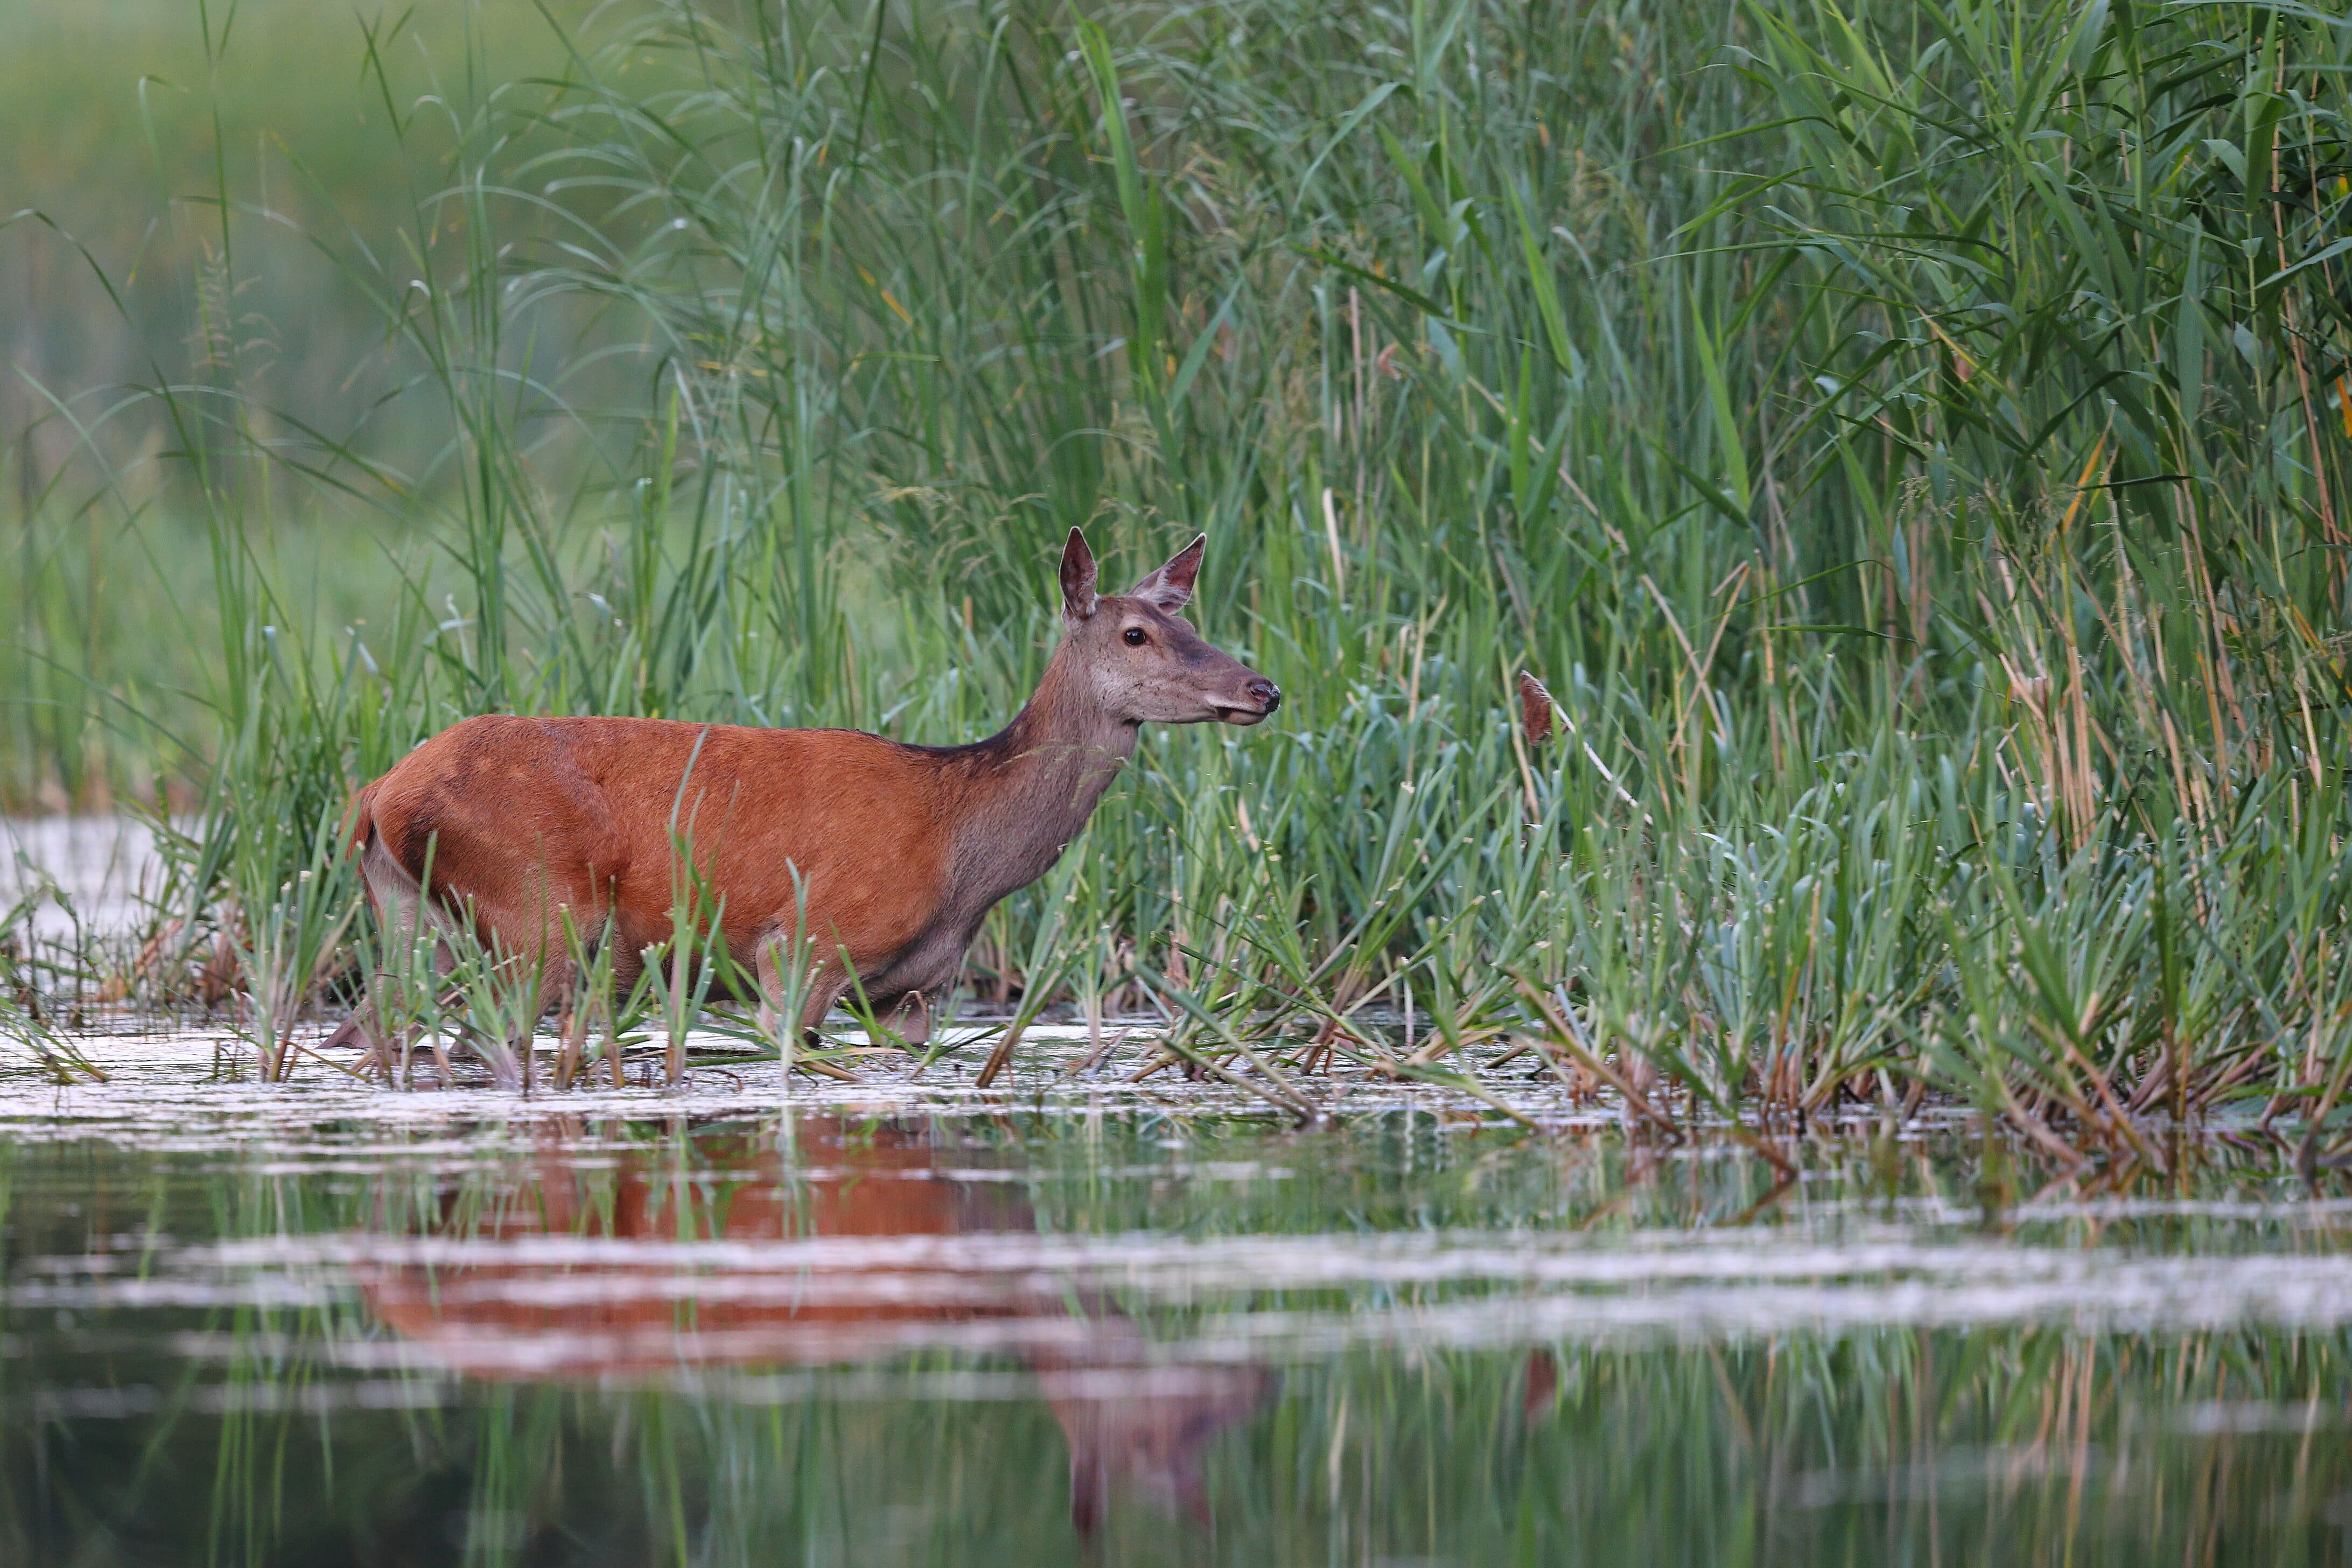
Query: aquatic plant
[[1908, 442]]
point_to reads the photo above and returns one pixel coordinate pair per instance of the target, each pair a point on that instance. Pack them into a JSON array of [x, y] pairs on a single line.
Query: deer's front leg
[[908, 1016], [828, 978], [824, 986]]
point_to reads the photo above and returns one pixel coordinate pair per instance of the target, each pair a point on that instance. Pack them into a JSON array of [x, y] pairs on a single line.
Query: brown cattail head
[[1535, 709]]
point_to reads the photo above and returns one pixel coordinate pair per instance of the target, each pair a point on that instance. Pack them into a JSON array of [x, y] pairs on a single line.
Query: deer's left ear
[[1170, 588], [1077, 575]]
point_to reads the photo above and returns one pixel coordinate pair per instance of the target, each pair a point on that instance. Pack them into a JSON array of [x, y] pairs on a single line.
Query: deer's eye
[[1135, 637]]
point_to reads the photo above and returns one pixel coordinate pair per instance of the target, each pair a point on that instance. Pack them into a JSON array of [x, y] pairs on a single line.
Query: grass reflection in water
[[1135, 1338]]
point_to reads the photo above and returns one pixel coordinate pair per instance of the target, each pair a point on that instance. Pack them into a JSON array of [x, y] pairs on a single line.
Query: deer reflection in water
[[660, 1264]]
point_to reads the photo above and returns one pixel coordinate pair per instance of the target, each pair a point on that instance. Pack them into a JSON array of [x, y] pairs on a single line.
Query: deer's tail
[[359, 821]]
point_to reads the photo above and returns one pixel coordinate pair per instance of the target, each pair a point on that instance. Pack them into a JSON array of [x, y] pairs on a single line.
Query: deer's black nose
[[1269, 695]]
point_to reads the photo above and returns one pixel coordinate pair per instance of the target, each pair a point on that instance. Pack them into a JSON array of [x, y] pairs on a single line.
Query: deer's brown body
[[530, 816], [890, 854]]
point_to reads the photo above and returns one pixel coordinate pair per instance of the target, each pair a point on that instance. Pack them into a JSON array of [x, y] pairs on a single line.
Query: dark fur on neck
[[1029, 789]]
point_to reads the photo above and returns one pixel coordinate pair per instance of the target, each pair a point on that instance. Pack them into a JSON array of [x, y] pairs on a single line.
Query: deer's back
[[597, 805]]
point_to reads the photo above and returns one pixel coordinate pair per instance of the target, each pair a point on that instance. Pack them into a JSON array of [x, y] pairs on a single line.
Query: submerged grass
[[1909, 442]]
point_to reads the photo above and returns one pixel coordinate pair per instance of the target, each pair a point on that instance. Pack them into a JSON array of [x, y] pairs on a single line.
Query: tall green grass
[[129, 124], [1910, 442]]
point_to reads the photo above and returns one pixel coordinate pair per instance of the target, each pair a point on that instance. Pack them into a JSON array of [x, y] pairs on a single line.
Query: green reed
[[1909, 442]]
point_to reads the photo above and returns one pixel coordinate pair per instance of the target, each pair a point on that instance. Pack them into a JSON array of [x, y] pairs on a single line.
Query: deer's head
[[1144, 662]]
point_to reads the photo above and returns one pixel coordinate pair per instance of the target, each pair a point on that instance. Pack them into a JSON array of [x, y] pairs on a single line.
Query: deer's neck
[[1030, 788]]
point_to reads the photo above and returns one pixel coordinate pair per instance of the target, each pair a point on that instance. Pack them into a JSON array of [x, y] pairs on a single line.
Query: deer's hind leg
[[403, 914], [526, 931], [533, 935]]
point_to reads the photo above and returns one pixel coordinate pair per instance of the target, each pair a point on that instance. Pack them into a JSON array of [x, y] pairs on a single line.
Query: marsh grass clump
[[1908, 447]]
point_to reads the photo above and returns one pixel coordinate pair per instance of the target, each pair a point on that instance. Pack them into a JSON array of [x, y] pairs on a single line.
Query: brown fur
[[894, 851]]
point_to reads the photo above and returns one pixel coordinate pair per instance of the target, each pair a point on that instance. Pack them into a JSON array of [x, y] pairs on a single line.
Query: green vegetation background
[[1909, 441]]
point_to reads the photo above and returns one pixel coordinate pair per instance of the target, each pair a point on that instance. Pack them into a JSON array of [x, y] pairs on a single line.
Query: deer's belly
[[877, 900]]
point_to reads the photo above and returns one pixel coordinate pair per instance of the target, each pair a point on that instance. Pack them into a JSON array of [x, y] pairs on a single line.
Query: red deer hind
[[895, 852]]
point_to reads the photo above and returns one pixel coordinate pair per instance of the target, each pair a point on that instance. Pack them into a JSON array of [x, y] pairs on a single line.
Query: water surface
[[92, 874], [1085, 1321]]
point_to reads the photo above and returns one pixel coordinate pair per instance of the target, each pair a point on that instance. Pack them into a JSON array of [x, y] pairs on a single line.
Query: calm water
[[105, 868], [1089, 1324]]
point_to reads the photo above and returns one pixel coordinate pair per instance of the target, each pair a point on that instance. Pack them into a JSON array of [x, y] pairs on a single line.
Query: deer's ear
[[1078, 578], [1170, 588]]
